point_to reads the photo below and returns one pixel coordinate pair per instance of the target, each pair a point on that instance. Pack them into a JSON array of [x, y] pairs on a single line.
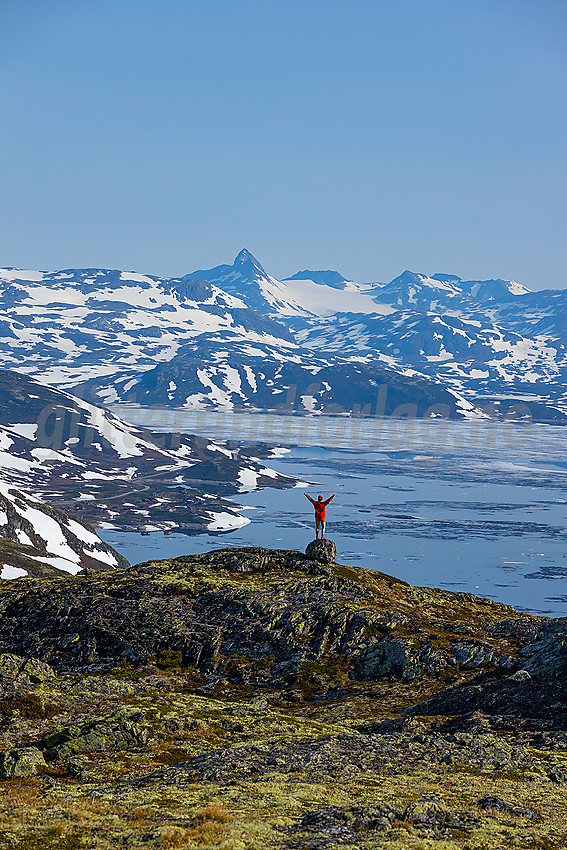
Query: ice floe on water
[[224, 521]]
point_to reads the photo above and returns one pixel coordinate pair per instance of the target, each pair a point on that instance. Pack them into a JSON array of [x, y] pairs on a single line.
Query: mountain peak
[[408, 276], [246, 259]]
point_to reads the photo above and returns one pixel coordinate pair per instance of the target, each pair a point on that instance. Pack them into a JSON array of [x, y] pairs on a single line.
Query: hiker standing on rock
[[319, 506]]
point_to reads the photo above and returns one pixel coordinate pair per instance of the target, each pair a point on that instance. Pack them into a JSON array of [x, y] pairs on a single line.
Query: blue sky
[[365, 136]]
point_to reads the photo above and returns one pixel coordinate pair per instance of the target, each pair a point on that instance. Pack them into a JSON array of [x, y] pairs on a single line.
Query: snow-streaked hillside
[[36, 540], [204, 379], [77, 456], [474, 357]]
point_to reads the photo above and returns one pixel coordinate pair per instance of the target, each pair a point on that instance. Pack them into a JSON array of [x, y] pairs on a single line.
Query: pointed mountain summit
[[245, 267], [247, 279], [248, 264]]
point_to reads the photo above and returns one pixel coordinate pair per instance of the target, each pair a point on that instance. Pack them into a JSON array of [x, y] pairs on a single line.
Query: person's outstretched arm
[[329, 499], [310, 499]]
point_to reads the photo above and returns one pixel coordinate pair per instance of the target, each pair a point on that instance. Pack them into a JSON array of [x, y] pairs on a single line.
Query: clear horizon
[[366, 138]]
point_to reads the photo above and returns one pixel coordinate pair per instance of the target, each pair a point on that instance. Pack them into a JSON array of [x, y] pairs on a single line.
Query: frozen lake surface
[[485, 506]]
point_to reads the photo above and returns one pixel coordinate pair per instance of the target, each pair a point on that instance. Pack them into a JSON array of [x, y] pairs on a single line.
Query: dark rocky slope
[[260, 698]]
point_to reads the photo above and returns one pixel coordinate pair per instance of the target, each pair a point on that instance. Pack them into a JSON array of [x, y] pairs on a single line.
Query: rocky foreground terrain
[[255, 698]]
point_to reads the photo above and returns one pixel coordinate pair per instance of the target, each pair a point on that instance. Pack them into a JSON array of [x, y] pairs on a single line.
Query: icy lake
[[477, 507]]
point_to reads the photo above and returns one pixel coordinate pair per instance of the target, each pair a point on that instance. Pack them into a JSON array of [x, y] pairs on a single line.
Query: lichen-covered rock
[[499, 805], [537, 690], [322, 550], [23, 761], [470, 655], [118, 730], [520, 676], [430, 807], [547, 657], [396, 657], [17, 673], [390, 620]]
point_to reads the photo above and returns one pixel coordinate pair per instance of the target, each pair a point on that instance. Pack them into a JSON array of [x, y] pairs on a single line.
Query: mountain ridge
[[102, 333]]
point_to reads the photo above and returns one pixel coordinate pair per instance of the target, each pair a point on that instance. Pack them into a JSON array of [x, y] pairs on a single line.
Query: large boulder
[[125, 727], [23, 761], [322, 550]]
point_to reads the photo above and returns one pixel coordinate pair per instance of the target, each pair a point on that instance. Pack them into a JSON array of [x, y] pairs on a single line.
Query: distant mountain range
[[234, 337]]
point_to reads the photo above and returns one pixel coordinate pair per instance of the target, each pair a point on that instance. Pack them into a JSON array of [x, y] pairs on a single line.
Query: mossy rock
[[17, 672], [118, 730], [24, 761]]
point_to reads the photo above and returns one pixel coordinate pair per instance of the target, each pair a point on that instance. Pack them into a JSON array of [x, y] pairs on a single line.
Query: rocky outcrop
[[389, 657], [317, 704], [119, 730], [327, 627], [535, 687], [24, 761], [322, 549]]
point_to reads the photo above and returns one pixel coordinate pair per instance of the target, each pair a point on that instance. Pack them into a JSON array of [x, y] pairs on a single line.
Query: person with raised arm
[[320, 506]]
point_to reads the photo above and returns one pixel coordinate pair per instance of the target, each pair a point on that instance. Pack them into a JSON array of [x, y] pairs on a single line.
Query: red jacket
[[320, 507]]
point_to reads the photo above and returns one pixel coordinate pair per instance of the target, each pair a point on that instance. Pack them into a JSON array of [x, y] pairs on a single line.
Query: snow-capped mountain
[[478, 359], [39, 540], [295, 298], [235, 337], [442, 291], [246, 277], [124, 337], [492, 341], [85, 459], [488, 340], [73, 325]]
